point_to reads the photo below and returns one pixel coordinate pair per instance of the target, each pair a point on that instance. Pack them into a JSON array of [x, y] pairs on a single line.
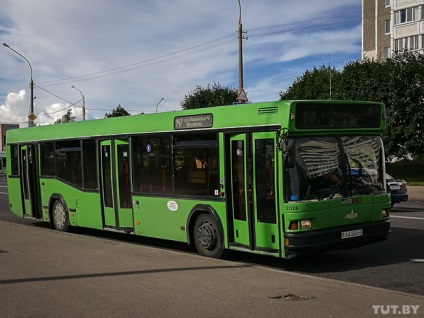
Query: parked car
[[397, 189]]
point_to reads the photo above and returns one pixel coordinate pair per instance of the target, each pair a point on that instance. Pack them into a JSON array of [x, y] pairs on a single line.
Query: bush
[[410, 170]]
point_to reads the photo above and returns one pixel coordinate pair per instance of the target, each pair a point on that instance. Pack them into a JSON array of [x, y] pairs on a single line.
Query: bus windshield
[[321, 168]]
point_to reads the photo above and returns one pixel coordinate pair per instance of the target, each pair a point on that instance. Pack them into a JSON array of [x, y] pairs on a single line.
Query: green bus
[[281, 178]]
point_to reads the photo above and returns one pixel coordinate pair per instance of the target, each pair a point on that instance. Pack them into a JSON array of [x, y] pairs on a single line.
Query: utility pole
[[241, 97]]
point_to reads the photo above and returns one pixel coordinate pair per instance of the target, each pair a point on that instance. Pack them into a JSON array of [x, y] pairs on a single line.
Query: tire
[[207, 238], [60, 217]]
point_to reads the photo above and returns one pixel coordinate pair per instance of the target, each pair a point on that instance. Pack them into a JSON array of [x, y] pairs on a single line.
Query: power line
[[203, 47], [60, 110], [301, 28], [326, 18], [68, 102], [198, 48], [312, 23]]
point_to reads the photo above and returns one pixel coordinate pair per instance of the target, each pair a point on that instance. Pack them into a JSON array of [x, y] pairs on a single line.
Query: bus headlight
[[384, 213], [305, 224]]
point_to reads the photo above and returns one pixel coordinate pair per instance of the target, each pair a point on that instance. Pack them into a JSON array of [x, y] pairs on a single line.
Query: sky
[[147, 55]]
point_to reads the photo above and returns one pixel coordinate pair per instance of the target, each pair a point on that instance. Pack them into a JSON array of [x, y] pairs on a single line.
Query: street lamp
[[159, 103], [241, 97], [31, 116], [83, 102]]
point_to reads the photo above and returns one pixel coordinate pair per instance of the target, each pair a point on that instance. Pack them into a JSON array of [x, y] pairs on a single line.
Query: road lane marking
[[406, 217], [417, 260]]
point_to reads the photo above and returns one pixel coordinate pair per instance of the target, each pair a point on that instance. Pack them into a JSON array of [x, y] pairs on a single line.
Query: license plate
[[353, 233], [395, 187]]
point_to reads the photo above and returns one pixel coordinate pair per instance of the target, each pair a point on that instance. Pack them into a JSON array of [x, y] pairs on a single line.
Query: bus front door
[[29, 187], [116, 191], [254, 216]]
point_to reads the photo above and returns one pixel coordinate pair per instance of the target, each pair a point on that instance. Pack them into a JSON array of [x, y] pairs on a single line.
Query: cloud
[[15, 108]]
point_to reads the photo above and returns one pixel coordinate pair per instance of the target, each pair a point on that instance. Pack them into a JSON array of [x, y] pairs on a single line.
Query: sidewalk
[[46, 273], [415, 193]]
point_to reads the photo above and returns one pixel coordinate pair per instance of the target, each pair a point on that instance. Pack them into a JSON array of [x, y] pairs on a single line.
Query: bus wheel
[[207, 239], [60, 216]]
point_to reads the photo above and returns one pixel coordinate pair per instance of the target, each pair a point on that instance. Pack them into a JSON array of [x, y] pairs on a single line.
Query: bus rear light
[[286, 242], [293, 225], [384, 213], [305, 224]]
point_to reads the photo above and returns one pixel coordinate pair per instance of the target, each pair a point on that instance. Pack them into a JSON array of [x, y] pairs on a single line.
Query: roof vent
[[268, 110]]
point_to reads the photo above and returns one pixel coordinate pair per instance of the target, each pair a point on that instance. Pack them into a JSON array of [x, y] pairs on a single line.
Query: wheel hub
[[59, 216], [206, 236]]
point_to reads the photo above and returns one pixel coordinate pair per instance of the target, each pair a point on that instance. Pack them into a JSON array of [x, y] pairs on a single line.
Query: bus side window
[[152, 173]]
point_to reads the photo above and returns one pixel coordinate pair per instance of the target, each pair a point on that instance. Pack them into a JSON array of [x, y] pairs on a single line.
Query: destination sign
[[193, 122], [336, 116]]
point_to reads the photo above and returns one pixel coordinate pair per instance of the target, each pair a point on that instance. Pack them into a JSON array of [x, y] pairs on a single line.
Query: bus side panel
[[15, 195], [83, 207], [88, 210], [167, 218]]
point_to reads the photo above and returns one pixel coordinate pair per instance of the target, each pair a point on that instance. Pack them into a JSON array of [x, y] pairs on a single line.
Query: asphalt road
[[49, 274], [397, 264]]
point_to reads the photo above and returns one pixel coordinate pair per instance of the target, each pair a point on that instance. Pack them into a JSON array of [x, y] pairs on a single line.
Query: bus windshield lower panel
[[322, 168]]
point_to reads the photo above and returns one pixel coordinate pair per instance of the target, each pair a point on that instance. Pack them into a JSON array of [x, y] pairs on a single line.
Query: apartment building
[[392, 26]]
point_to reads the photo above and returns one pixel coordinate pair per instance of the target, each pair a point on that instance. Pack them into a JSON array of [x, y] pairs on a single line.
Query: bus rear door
[[254, 217], [115, 180]]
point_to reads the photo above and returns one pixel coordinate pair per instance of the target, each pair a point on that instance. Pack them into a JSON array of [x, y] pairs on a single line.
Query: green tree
[[406, 105], [67, 118], [362, 80], [213, 95], [316, 84], [119, 111]]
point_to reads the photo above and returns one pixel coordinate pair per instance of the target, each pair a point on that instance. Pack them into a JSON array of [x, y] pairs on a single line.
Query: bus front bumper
[[344, 237]]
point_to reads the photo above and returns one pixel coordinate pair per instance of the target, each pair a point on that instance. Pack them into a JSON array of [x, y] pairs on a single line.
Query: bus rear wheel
[[60, 216], [207, 238]]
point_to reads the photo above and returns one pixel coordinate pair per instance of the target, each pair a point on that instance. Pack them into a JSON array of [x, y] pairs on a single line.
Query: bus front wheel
[[207, 238], [60, 216]]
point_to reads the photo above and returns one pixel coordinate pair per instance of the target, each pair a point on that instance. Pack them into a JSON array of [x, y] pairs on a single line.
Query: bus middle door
[[116, 190], [253, 207]]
